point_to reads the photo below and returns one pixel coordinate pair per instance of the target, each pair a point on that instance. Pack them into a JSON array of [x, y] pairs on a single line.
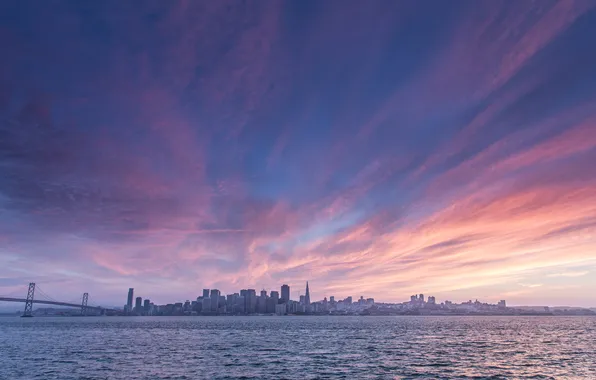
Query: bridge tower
[[29, 302], [84, 304]]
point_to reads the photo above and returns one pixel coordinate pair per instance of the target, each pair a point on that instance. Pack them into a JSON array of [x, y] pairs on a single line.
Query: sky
[[379, 148]]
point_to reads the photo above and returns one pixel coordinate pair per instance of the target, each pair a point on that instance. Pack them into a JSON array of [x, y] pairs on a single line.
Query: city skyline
[[282, 296], [388, 148]]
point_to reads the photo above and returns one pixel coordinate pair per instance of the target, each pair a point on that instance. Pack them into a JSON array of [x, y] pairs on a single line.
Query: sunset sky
[[375, 148]]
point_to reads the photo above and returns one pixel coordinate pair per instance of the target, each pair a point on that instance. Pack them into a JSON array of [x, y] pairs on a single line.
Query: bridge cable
[[44, 294]]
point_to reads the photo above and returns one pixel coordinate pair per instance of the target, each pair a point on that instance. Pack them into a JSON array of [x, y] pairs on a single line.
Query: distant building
[[272, 301], [214, 300], [275, 295], [129, 300], [414, 298], [432, 300], [251, 301], [139, 305], [206, 305], [421, 298], [285, 293], [146, 306], [281, 309], [502, 304], [205, 293], [262, 303], [231, 302], [307, 296], [240, 306]]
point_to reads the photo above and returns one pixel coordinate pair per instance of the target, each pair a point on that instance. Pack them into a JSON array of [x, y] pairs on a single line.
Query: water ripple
[[298, 348]]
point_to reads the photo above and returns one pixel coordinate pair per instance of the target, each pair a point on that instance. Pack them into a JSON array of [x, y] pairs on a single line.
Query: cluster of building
[[247, 301], [419, 305], [213, 302]]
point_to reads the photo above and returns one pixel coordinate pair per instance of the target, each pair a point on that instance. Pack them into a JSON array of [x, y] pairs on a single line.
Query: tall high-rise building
[[272, 301], [421, 298], [262, 303], [307, 296], [214, 299], [251, 301], [231, 301], [206, 307], [139, 305], [205, 293], [285, 293], [130, 298], [240, 306], [146, 306], [275, 296]]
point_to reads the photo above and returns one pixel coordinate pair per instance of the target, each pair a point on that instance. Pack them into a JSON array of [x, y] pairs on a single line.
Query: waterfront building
[[206, 305], [240, 306], [205, 293], [139, 305], [281, 309], [275, 295], [214, 299], [271, 304], [262, 303], [285, 293], [146, 306], [251, 301], [129, 300], [307, 296], [230, 302]]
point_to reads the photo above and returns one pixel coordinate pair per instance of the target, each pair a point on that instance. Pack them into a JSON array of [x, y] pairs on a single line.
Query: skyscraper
[[205, 293], [307, 296], [130, 298], [272, 301], [139, 305], [214, 299], [285, 293], [262, 302], [251, 301], [275, 296]]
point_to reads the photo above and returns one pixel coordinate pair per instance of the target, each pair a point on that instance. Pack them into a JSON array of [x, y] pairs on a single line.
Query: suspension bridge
[[36, 295]]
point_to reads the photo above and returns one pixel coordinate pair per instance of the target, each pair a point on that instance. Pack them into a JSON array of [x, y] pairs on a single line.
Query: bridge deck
[[23, 300]]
